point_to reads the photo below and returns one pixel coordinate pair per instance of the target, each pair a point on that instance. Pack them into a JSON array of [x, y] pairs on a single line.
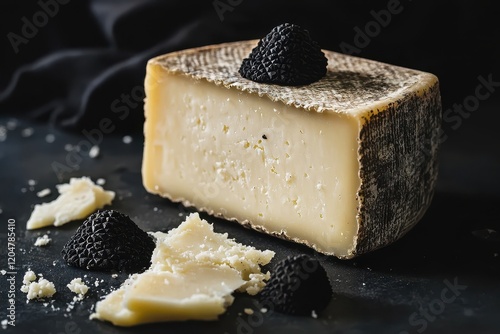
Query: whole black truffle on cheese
[[109, 240], [298, 285], [286, 56]]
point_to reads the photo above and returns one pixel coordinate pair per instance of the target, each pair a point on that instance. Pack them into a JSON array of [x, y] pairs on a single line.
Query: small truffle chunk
[[298, 285]]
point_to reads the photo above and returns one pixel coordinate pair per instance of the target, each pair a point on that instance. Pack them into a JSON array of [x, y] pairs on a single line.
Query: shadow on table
[[458, 233]]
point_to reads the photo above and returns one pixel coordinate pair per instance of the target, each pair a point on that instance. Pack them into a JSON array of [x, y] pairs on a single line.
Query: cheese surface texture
[[192, 276], [345, 165], [77, 200]]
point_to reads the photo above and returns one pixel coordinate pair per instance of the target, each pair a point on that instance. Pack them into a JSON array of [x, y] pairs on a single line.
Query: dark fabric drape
[[87, 60]]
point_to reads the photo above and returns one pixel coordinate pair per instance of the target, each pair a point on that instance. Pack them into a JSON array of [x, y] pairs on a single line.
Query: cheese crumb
[[43, 193], [127, 139], [78, 286], [28, 277], [50, 138], [94, 152], [248, 311], [77, 200], [42, 241], [4, 323], [12, 124], [28, 132], [36, 290], [3, 133], [314, 314]]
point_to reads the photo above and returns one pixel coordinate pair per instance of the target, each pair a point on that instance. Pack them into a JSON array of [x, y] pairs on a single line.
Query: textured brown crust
[[399, 114], [350, 84]]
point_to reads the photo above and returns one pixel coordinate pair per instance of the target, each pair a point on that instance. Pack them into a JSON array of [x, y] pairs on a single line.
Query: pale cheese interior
[[246, 157]]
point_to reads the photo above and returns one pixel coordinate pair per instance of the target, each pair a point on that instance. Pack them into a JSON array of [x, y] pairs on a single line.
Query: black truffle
[[286, 56], [109, 240], [298, 285]]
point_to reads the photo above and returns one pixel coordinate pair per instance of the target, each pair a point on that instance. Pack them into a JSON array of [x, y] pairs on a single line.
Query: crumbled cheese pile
[[37, 289]]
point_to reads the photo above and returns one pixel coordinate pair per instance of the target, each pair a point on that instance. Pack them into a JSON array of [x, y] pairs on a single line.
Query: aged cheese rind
[[398, 166], [350, 85], [398, 112]]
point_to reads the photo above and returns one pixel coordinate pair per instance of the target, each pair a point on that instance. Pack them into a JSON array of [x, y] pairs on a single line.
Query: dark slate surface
[[442, 277]]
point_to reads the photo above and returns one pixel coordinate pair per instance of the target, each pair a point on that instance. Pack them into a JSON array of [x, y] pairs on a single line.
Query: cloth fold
[[87, 60], [74, 88]]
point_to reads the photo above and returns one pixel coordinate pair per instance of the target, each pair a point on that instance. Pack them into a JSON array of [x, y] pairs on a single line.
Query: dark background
[[91, 55], [88, 54]]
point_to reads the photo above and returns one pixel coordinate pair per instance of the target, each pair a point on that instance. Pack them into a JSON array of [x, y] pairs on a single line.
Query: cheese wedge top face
[[345, 165]]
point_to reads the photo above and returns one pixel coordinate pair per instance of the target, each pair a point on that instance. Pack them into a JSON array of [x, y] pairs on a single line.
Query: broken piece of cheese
[[77, 200], [346, 165], [192, 276]]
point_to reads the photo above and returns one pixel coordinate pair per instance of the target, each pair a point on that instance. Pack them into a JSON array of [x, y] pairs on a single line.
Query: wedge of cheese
[[345, 165]]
